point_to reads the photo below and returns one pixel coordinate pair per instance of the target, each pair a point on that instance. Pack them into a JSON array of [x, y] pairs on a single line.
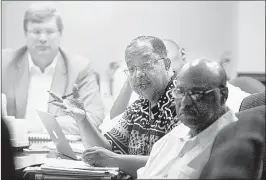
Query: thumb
[[75, 91]]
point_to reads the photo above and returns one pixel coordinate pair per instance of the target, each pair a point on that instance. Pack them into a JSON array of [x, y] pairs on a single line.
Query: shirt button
[[181, 154]]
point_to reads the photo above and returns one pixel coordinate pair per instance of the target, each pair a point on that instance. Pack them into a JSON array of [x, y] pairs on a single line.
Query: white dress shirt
[[177, 156], [235, 97], [3, 105], [38, 97]]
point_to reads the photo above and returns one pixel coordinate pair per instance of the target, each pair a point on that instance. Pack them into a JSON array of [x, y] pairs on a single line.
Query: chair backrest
[[253, 100], [238, 148], [248, 84]]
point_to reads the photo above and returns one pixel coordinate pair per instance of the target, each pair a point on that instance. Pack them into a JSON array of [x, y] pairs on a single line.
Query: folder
[[70, 169]]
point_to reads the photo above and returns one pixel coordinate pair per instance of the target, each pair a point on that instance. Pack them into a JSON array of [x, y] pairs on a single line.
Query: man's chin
[[189, 120], [43, 51], [143, 90]]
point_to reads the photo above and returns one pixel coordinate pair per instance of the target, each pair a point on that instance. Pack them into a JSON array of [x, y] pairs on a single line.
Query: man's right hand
[[73, 107]]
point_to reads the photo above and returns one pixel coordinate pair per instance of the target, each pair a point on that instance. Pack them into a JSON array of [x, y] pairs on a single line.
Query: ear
[[167, 63], [224, 93], [183, 55]]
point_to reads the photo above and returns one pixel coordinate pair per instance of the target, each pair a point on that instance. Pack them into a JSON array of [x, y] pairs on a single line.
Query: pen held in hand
[[63, 97]]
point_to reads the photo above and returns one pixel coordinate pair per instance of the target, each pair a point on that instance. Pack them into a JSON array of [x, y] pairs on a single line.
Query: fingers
[[90, 157], [56, 97], [60, 105], [77, 103], [68, 112], [75, 91], [92, 149]]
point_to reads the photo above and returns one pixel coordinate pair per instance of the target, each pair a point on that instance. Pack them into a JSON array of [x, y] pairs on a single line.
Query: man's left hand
[[101, 157]]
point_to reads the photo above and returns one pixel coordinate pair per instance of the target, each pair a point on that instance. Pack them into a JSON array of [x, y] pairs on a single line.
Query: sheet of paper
[[72, 164], [32, 159], [65, 163]]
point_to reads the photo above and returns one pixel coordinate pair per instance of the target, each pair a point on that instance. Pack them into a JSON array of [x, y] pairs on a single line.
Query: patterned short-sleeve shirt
[[141, 126]]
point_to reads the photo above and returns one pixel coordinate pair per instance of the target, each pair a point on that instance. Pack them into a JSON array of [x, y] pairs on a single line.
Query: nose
[[186, 100], [139, 73], [43, 38]]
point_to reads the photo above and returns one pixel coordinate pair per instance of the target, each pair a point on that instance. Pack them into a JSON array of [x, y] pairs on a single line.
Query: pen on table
[[63, 97]]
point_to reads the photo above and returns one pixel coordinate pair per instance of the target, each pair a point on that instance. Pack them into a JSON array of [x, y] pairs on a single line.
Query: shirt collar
[[51, 66]]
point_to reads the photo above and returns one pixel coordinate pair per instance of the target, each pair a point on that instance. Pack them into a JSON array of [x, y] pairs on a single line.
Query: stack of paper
[[70, 169]]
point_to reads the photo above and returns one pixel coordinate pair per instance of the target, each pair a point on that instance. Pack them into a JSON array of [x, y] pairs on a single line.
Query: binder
[[69, 169], [38, 138]]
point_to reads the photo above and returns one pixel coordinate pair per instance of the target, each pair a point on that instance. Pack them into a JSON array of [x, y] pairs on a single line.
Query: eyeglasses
[[195, 95], [144, 67], [38, 32]]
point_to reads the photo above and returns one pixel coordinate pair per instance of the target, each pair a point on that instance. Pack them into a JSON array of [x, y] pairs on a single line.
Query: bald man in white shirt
[[201, 93]]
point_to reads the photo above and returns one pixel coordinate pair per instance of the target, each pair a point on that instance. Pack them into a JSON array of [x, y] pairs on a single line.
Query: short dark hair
[[146, 46], [40, 12]]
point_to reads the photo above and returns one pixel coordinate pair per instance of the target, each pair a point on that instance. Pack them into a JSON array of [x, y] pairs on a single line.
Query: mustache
[[142, 82], [188, 110]]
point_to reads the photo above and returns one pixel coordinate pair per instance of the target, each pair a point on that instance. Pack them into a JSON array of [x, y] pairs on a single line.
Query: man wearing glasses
[[200, 95], [41, 65], [129, 143]]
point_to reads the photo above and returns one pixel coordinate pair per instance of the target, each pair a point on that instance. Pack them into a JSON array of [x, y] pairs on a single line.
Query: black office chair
[[253, 100], [239, 148], [248, 84], [7, 153]]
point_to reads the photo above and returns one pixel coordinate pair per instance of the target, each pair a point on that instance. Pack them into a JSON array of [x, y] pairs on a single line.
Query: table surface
[[25, 159]]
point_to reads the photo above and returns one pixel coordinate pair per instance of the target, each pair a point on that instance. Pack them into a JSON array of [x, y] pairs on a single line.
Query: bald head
[[173, 50], [146, 47], [174, 54], [205, 82], [203, 73]]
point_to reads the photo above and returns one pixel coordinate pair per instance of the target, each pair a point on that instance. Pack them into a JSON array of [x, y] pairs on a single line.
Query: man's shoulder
[[138, 103], [9, 55], [133, 109], [77, 64], [74, 58]]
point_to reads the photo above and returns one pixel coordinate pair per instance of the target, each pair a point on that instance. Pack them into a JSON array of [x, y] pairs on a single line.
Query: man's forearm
[[131, 163], [90, 134], [121, 101]]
